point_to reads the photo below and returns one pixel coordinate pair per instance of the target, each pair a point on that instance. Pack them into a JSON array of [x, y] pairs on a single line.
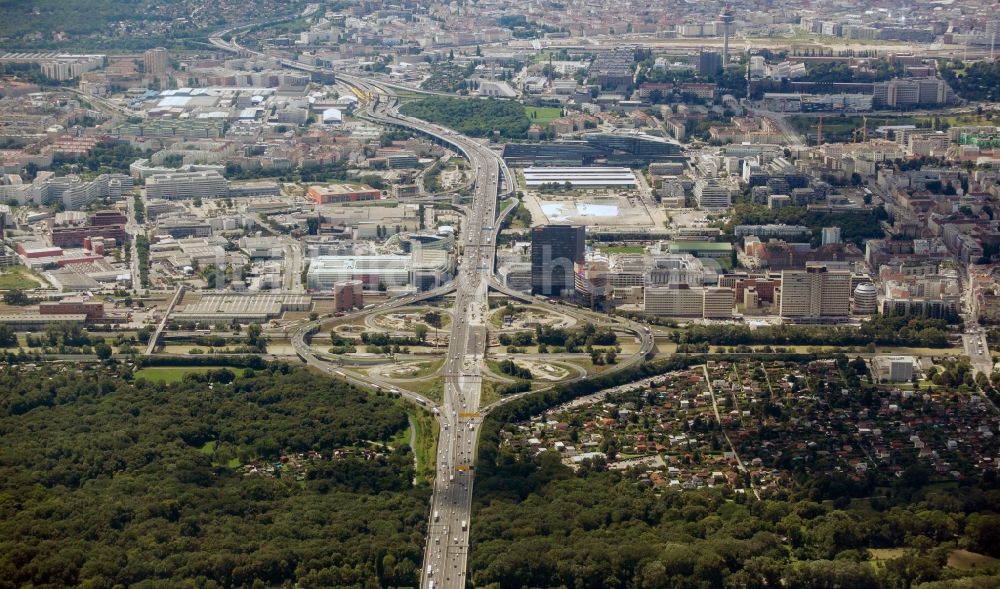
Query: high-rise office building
[[156, 60], [814, 293], [709, 63], [555, 250]]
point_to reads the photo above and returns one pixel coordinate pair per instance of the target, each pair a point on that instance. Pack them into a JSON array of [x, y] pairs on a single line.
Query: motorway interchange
[[459, 414]]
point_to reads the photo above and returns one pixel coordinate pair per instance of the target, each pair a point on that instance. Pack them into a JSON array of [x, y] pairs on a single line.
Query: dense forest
[[106, 157], [219, 480], [540, 524], [880, 330], [856, 226], [35, 24], [478, 118], [978, 81]]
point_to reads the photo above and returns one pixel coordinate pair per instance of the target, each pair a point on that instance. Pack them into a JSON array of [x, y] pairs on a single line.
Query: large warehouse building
[[243, 308], [583, 177], [424, 270]]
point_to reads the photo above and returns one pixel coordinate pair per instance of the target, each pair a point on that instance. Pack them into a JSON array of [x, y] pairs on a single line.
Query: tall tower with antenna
[[992, 30], [727, 17]]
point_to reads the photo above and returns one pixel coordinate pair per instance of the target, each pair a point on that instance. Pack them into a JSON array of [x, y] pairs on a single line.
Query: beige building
[[718, 303], [815, 293], [156, 60], [674, 300]]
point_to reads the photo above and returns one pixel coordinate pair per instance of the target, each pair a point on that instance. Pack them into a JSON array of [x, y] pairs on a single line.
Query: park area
[[542, 115], [18, 278], [172, 374]]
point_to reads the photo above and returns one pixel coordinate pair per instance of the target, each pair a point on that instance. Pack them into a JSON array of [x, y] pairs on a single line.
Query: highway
[[446, 552], [460, 416], [292, 269]]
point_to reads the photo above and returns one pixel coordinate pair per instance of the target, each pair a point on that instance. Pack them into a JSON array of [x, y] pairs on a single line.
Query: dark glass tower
[[555, 249]]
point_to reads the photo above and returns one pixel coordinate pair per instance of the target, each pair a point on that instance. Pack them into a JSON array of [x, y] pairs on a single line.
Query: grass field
[[428, 368], [405, 96], [426, 443], [623, 249], [965, 560], [489, 394], [432, 388], [542, 115], [170, 374], [18, 278]]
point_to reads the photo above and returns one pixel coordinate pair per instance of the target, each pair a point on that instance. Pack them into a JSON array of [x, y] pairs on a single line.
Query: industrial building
[[92, 309], [339, 193], [585, 177], [242, 308], [423, 269], [615, 149], [37, 321]]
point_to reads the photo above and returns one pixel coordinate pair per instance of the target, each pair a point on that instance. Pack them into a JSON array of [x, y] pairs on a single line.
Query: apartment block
[[815, 293]]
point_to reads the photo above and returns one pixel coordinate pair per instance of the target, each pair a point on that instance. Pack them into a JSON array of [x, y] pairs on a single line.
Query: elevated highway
[[460, 413]]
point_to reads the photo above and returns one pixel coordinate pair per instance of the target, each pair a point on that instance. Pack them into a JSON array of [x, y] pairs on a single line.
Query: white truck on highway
[[464, 525], [437, 515]]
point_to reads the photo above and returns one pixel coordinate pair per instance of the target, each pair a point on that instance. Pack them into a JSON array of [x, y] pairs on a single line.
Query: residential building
[[187, 185], [815, 293], [348, 295], [156, 61], [709, 194]]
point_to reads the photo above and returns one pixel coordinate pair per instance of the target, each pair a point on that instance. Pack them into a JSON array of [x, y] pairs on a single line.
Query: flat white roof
[[594, 176]]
